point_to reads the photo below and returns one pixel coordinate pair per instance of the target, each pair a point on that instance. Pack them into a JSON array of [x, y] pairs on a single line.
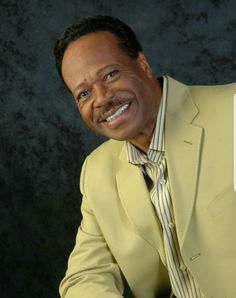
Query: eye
[[82, 95], [111, 74]]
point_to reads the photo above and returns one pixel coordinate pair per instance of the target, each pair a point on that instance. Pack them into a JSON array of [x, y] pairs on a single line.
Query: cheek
[[86, 113]]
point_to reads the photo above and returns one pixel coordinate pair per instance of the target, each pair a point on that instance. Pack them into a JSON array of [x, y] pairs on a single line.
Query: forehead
[[89, 53]]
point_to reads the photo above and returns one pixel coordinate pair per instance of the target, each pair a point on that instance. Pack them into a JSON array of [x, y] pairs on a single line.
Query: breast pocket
[[223, 202]]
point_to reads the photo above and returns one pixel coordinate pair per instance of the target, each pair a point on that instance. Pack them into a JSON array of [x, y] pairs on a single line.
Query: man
[[158, 201]]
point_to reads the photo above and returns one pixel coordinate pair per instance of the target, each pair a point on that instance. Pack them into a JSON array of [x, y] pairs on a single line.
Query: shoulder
[[213, 90], [106, 155], [109, 149], [218, 97], [101, 165], [201, 91]]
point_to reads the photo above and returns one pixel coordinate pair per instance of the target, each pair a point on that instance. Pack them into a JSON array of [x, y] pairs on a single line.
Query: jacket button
[[182, 267]]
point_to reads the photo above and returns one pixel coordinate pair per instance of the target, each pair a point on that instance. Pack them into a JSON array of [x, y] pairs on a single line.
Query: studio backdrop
[[43, 141]]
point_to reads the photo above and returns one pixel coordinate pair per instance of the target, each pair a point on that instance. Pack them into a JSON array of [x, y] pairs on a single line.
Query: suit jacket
[[120, 234]]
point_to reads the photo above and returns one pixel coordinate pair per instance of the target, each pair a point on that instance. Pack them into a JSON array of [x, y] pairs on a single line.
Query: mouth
[[117, 113]]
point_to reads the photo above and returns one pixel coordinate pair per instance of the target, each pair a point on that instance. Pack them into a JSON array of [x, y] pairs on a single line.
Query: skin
[[106, 82]]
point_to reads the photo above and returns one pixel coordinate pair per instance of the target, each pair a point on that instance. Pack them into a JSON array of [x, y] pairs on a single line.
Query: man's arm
[[92, 270]]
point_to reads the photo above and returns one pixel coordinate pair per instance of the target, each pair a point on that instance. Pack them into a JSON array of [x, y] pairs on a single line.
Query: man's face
[[114, 93]]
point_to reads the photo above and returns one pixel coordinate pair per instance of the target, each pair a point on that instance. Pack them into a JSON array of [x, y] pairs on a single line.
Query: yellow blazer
[[120, 234]]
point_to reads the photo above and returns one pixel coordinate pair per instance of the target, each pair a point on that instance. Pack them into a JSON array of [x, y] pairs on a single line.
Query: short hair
[[126, 37]]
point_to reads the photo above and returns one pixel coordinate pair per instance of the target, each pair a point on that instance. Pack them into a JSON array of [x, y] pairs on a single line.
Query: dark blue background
[[42, 139]]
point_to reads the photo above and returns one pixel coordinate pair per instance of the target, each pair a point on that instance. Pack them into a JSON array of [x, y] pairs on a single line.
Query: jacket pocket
[[222, 202]]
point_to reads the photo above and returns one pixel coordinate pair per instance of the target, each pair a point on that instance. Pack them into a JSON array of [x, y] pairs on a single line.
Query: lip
[[119, 120], [111, 112]]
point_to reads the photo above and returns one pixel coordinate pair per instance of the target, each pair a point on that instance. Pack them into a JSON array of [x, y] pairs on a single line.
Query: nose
[[103, 94]]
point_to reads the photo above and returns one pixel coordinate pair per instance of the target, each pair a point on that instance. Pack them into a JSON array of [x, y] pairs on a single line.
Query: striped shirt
[[154, 168]]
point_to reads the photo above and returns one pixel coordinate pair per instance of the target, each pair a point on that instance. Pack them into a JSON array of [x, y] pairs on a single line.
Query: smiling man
[[158, 202], [117, 96]]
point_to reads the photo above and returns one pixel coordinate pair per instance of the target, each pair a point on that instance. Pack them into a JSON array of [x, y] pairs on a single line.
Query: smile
[[117, 113]]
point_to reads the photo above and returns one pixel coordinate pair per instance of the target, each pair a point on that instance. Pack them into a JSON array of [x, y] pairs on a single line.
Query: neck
[[143, 141]]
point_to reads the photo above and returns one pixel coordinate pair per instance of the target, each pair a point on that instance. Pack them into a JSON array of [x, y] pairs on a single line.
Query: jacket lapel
[[182, 149], [137, 204]]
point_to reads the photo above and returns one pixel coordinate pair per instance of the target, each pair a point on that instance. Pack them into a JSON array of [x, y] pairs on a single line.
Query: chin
[[120, 137], [123, 134]]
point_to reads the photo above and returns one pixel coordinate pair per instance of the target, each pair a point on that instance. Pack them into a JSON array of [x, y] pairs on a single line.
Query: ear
[[144, 65]]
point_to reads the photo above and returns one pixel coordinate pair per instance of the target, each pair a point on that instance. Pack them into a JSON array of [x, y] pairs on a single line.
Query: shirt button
[[171, 225], [162, 181], [182, 267]]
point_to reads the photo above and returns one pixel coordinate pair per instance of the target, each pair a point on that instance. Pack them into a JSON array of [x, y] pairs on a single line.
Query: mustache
[[111, 104], [116, 100]]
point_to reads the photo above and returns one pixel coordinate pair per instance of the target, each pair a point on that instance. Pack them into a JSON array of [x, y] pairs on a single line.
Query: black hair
[[126, 37]]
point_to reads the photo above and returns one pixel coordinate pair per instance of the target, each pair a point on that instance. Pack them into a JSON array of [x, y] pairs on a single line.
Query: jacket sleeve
[[92, 270]]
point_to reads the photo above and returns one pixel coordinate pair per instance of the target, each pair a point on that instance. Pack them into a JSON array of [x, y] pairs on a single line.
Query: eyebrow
[[98, 72]]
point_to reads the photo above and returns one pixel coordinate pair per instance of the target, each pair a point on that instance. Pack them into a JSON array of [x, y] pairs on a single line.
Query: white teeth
[[117, 113]]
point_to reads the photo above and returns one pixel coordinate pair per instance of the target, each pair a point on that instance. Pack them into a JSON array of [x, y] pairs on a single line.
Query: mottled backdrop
[[42, 139]]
